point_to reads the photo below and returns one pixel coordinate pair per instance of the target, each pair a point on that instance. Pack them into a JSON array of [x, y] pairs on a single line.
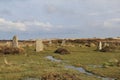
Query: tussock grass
[[88, 56], [35, 65]]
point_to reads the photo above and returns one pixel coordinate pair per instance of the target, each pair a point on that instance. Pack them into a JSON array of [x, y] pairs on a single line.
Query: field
[[31, 65]]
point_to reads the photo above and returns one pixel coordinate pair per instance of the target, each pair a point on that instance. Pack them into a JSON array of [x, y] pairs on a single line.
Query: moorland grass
[[88, 56], [35, 65]]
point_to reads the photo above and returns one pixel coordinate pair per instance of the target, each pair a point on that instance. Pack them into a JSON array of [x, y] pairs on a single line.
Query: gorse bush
[[109, 49], [11, 50], [62, 51]]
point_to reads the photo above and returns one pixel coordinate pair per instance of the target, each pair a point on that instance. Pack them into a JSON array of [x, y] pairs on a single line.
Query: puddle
[[80, 69], [52, 59]]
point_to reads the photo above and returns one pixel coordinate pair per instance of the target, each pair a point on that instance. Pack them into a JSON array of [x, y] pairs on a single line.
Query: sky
[[33, 19]]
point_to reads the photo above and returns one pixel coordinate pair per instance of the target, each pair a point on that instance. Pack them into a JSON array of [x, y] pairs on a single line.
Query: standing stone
[[92, 45], [39, 45], [105, 44], [63, 43], [100, 46], [50, 43], [15, 42]]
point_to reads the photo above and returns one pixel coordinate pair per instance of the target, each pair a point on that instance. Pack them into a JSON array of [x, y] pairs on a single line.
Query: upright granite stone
[[105, 44], [50, 43], [15, 42], [63, 43], [100, 46], [39, 45]]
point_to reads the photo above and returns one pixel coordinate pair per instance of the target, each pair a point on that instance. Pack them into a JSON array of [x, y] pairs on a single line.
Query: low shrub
[[11, 50], [62, 51], [110, 49]]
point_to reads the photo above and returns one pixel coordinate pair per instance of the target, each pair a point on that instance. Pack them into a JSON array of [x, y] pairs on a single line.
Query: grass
[[88, 56], [113, 72], [32, 64]]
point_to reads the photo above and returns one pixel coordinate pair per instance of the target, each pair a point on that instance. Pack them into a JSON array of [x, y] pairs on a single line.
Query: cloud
[[5, 12], [59, 10], [6, 25], [11, 0], [112, 23], [74, 16], [51, 9], [39, 25], [94, 14], [106, 12]]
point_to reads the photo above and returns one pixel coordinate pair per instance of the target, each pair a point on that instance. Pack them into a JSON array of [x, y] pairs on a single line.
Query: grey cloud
[[112, 23], [11, 0], [51, 9], [117, 11], [76, 16], [5, 12]]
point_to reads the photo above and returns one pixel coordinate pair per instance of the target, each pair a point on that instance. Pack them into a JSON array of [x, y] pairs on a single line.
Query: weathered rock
[[100, 46], [62, 51], [105, 44], [15, 42], [39, 45], [50, 43], [92, 45], [63, 43]]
